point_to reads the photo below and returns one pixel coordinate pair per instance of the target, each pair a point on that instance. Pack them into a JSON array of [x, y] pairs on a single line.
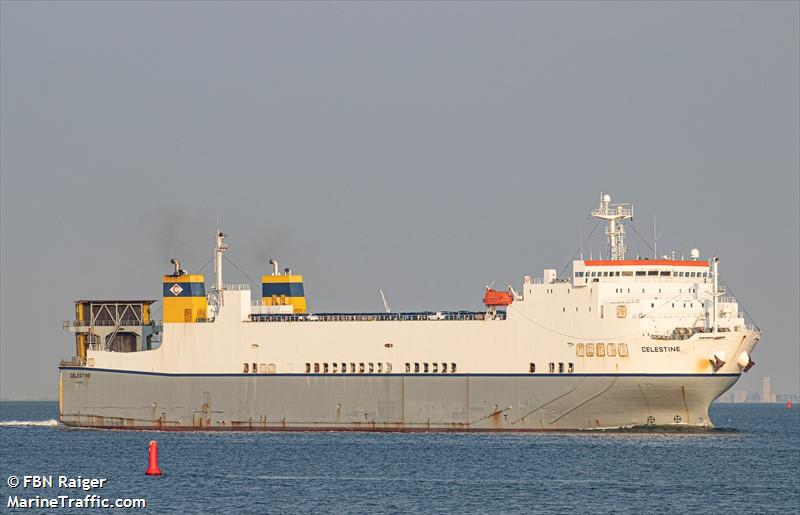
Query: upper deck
[[592, 271]]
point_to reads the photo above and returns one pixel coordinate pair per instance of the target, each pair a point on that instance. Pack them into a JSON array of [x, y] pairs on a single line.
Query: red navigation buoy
[[152, 468], [788, 404]]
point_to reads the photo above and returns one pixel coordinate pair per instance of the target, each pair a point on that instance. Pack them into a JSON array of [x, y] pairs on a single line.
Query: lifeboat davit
[[497, 298]]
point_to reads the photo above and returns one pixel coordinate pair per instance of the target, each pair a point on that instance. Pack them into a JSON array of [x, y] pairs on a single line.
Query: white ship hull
[[112, 399], [618, 343]]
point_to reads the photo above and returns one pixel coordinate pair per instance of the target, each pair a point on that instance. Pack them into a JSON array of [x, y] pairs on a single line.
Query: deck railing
[[375, 317]]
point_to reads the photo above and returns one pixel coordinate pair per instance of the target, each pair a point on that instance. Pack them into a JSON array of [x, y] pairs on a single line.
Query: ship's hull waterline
[[109, 399]]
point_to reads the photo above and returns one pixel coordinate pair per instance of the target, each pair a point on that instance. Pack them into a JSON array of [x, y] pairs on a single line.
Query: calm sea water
[[750, 464]]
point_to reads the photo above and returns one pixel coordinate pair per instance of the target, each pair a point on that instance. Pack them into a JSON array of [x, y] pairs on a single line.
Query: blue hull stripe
[[168, 374]]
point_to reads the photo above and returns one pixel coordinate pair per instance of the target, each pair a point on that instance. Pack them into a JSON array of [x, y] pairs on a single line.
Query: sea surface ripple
[[748, 465]]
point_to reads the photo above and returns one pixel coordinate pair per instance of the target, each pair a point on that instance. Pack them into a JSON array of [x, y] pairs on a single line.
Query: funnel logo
[[176, 289]]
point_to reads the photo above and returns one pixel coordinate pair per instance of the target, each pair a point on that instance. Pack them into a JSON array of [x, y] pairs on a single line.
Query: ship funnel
[[274, 263]]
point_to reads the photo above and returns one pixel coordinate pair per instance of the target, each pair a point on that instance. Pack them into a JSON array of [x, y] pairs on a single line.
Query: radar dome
[[606, 198], [695, 254]]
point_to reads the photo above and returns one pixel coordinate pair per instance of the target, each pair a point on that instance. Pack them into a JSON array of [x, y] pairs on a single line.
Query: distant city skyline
[[765, 395]]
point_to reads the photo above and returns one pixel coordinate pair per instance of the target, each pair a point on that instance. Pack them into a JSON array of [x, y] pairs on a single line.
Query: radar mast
[[615, 214]]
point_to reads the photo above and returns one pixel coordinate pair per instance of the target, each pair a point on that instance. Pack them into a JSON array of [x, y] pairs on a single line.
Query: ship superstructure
[[618, 343]]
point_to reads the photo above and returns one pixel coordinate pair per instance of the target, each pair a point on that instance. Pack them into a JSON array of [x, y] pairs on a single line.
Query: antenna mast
[[219, 248], [615, 214]]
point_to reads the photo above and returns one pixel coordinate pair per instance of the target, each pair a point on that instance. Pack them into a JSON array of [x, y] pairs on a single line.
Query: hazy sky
[[425, 149]]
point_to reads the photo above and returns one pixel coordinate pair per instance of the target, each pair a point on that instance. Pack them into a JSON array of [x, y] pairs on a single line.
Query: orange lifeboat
[[497, 298]]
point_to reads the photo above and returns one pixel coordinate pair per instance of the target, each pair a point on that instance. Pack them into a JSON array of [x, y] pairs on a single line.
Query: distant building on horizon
[[766, 391]]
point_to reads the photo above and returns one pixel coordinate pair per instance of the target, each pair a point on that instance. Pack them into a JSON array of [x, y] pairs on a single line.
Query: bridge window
[[666, 273], [532, 368], [579, 350], [652, 272], [640, 273], [627, 273]]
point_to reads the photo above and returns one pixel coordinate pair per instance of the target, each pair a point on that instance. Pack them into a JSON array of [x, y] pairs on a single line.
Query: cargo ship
[[616, 343]]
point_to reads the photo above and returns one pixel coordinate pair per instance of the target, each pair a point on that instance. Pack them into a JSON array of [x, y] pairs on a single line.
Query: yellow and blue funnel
[[184, 298], [283, 290]]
